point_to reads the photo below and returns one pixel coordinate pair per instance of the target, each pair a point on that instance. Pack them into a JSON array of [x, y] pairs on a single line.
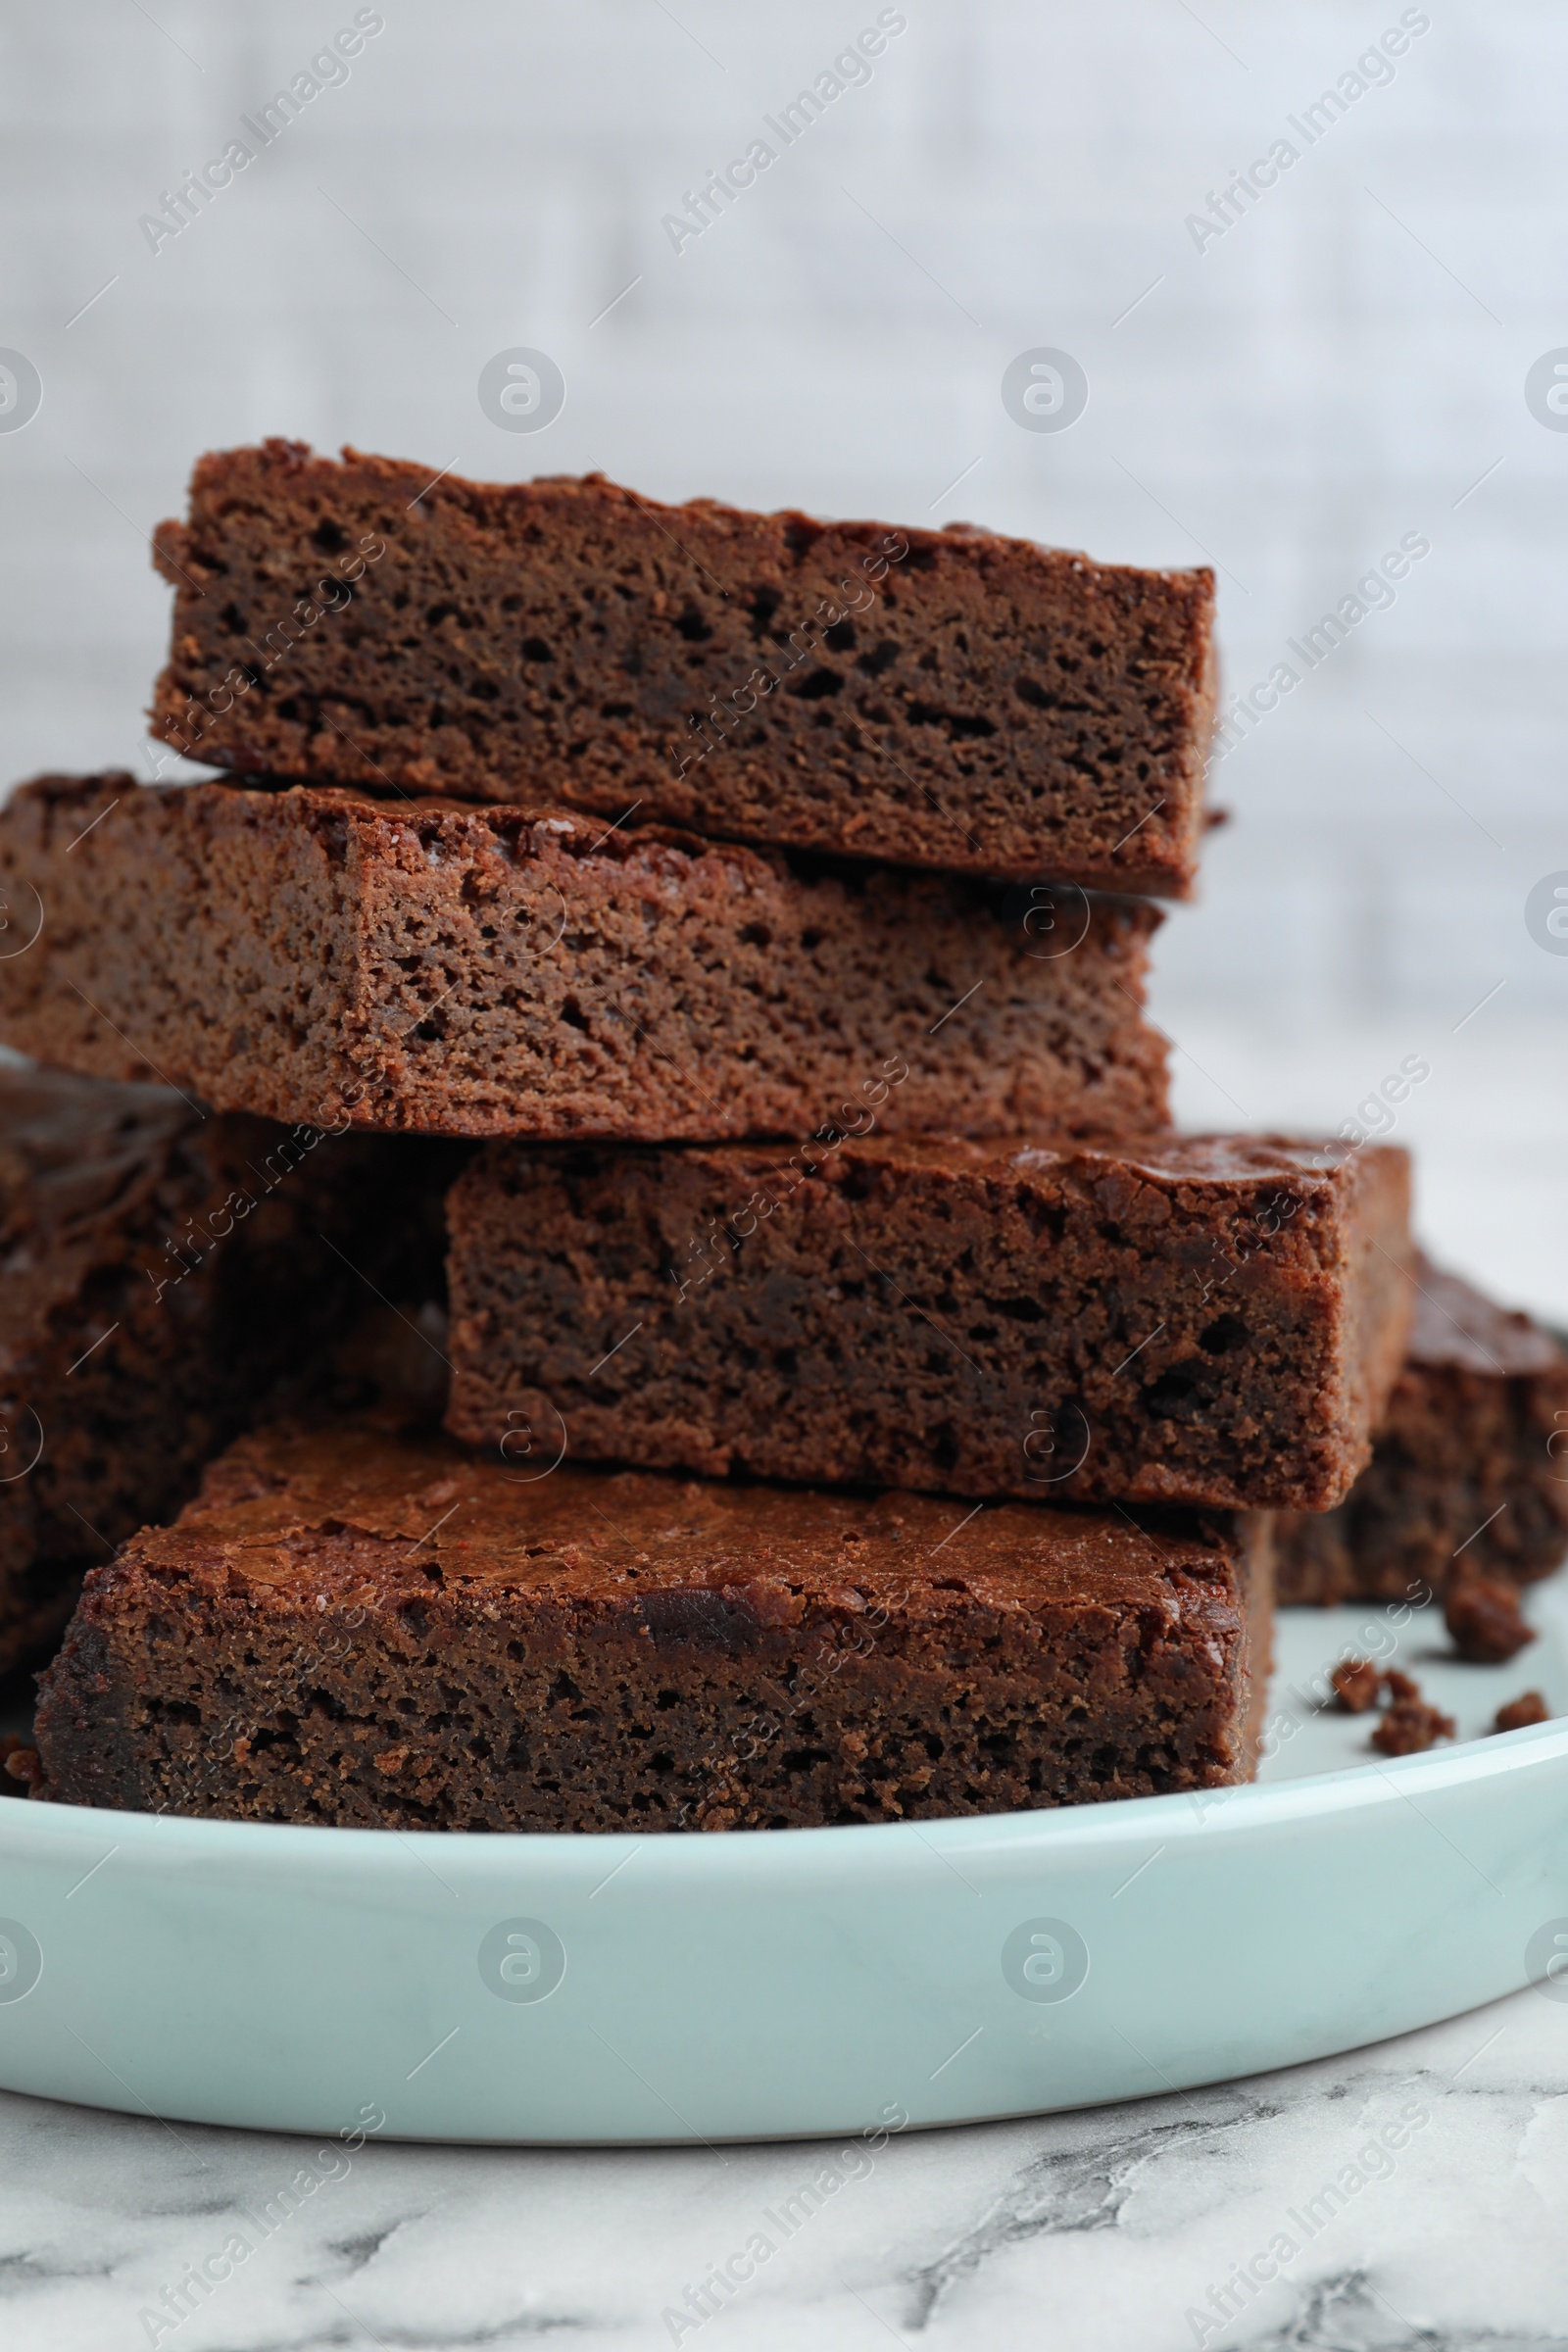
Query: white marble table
[[1120, 2229]]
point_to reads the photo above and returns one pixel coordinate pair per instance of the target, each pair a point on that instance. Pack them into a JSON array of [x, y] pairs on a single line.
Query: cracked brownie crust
[[317, 954], [1208, 1320], [373, 1629], [943, 698]]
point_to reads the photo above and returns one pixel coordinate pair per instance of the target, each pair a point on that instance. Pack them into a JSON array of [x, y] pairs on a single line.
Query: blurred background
[[1288, 375]]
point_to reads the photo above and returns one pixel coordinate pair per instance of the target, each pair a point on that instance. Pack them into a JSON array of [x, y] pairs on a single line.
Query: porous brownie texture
[[1187, 1319], [1469, 1474], [163, 1271], [317, 954], [369, 1628], [949, 699]]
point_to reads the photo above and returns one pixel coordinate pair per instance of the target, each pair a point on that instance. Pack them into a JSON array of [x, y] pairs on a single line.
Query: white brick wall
[[1290, 399]]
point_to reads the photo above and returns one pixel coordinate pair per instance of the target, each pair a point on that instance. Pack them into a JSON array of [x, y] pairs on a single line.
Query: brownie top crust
[[1163, 1157], [358, 1515], [1457, 1326], [423, 824], [230, 481]]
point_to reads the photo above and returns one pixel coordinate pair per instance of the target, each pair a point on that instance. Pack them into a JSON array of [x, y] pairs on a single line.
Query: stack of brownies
[[722, 940]]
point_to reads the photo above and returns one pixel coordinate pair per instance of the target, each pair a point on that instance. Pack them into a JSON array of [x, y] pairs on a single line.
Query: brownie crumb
[[1483, 1618], [1400, 1686], [1528, 1708], [1356, 1684], [18, 1763], [1409, 1726]]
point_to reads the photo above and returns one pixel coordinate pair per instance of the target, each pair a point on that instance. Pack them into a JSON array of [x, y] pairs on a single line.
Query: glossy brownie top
[[1458, 1326], [1226, 1159], [376, 1517], [418, 824]]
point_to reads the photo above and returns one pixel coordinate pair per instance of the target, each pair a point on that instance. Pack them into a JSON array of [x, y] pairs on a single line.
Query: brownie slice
[[317, 954], [163, 1271], [373, 1629], [949, 699], [1469, 1472], [1191, 1319]]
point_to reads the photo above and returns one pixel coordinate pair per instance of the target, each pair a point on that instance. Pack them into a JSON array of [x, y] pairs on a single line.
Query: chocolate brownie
[[949, 699], [1189, 1319], [358, 1626], [317, 954], [1469, 1472], [163, 1270]]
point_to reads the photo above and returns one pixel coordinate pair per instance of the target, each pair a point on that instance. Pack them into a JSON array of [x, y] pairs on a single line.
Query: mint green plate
[[809, 1982]]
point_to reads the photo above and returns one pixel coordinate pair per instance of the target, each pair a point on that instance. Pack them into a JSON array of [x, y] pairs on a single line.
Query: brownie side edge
[[1179, 1321], [314, 954], [251, 1661]]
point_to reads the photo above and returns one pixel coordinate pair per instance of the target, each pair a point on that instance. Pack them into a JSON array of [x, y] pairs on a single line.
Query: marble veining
[[1126, 2229]]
